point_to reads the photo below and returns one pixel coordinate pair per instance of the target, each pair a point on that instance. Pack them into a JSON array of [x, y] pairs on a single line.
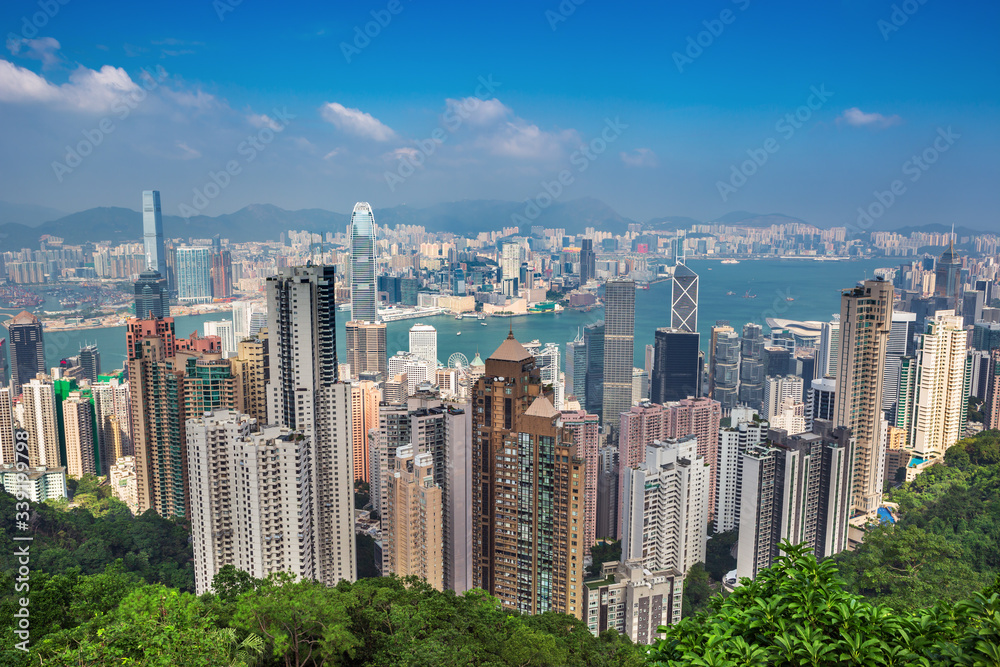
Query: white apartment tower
[[113, 412], [38, 401], [79, 430], [939, 406], [666, 506], [305, 394], [251, 498]]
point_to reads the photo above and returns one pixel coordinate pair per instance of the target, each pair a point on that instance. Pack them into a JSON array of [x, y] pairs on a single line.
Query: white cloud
[[356, 122], [640, 157], [43, 49], [263, 120], [496, 129], [855, 117], [188, 153], [87, 89]]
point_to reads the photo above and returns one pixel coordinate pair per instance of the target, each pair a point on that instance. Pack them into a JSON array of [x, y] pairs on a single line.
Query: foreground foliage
[[946, 544], [279, 621], [798, 613]]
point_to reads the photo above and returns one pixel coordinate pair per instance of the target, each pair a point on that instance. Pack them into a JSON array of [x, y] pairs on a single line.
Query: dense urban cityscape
[[248, 419]]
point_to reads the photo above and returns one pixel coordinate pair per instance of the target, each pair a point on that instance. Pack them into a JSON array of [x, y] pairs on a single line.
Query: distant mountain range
[[23, 225]]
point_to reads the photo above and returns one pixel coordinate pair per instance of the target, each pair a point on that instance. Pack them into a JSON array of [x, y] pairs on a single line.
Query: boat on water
[[459, 316], [788, 298], [730, 261], [458, 333], [730, 293], [483, 323], [748, 295]]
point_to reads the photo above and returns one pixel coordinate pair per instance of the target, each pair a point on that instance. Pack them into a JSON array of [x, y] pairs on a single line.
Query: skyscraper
[[41, 421], [414, 532], [251, 498], [365, 397], [795, 488], [194, 274], [424, 343], [828, 356], [822, 400], [676, 368], [724, 371], [593, 342], [734, 441], [27, 349], [947, 284], [222, 274], [899, 345], [152, 234], [305, 394], [441, 429], [78, 423], [366, 348], [684, 299], [619, 339], [588, 261], [665, 507], [576, 368], [152, 297], [6, 426], [865, 323], [90, 362], [942, 387], [526, 478], [510, 268], [752, 368], [364, 287], [251, 368]]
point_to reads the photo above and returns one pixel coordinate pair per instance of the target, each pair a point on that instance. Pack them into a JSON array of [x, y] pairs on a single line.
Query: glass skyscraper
[[194, 274], [152, 233], [364, 290], [619, 337], [684, 299]]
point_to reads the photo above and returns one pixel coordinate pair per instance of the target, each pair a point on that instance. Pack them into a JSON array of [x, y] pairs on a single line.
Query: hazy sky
[[649, 107]]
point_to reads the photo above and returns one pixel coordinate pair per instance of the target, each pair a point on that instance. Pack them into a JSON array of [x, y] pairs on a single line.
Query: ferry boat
[[458, 333], [483, 323], [730, 261]]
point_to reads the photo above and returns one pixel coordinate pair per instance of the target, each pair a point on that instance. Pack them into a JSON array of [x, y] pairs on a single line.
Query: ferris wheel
[[459, 362]]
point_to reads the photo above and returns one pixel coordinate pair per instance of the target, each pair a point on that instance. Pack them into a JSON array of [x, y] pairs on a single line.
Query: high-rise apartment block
[[527, 491], [251, 498], [414, 533], [441, 429], [78, 423], [305, 394], [795, 488], [41, 421], [252, 370], [634, 601], [666, 507], [734, 441], [865, 323], [585, 430], [366, 348], [424, 343], [942, 387]]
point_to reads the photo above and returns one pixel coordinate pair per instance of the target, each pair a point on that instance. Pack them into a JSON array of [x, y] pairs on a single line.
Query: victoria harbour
[[813, 286]]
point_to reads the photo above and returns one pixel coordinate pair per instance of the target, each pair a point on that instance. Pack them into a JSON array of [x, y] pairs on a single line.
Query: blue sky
[[398, 120]]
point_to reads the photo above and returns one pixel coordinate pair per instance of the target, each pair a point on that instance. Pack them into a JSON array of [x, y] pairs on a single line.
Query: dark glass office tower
[[593, 340], [27, 349], [676, 367], [151, 296]]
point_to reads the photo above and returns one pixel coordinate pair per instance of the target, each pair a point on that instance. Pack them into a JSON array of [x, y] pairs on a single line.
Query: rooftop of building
[[510, 350]]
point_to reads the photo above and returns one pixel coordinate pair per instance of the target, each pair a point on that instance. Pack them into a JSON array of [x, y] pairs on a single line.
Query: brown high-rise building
[[528, 492], [170, 382], [251, 370], [865, 322], [415, 531], [366, 348]]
